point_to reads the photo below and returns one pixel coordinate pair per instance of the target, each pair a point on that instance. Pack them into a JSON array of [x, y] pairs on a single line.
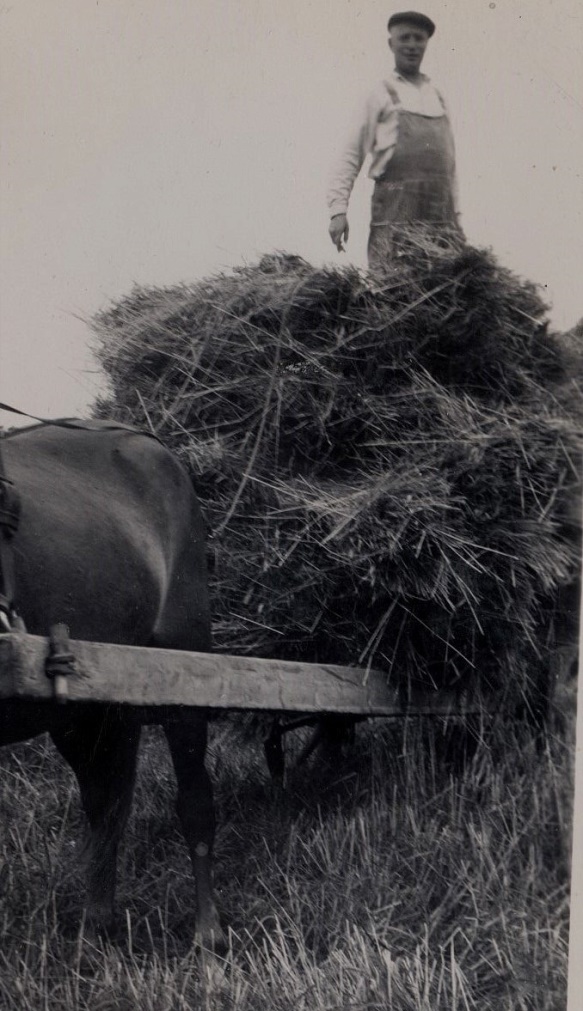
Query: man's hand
[[338, 230]]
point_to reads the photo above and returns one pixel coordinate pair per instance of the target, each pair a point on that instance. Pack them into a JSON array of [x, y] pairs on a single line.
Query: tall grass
[[386, 883]]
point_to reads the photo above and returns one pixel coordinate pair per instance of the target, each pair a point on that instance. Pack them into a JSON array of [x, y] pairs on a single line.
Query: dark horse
[[111, 543]]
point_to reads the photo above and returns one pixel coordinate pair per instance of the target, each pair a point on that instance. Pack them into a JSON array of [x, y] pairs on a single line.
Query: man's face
[[408, 43]]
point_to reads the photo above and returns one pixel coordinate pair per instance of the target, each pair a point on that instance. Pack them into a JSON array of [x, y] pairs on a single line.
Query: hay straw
[[387, 472]]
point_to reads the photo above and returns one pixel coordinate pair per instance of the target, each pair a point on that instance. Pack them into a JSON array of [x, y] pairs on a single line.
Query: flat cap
[[414, 18]]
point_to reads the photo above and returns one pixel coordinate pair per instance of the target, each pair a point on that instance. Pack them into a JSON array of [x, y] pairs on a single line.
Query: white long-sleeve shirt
[[375, 130]]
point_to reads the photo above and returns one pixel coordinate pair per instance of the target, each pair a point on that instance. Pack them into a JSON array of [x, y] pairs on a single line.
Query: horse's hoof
[[212, 940], [99, 930]]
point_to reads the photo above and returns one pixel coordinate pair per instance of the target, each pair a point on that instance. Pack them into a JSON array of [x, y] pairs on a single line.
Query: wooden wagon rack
[[149, 676]]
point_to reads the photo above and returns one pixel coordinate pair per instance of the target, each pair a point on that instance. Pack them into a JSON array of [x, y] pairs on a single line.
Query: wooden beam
[[153, 677]]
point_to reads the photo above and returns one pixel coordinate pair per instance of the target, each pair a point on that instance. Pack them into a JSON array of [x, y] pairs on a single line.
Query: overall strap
[[397, 101], [393, 93], [441, 99]]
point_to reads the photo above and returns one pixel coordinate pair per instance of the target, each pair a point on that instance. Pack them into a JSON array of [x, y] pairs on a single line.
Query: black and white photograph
[[291, 422]]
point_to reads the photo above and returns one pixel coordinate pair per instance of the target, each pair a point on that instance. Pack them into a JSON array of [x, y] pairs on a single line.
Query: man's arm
[[347, 166], [338, 231]]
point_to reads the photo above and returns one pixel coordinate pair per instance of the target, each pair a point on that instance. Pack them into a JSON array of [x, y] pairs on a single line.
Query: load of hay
[[388, 472]]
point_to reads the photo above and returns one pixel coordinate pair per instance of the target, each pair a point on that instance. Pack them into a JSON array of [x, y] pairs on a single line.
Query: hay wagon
[[34, 667]]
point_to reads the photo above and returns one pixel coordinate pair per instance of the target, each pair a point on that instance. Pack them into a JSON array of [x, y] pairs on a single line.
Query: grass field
[[386, 883]]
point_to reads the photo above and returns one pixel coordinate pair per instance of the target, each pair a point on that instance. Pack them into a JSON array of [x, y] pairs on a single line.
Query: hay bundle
[[387, 472]]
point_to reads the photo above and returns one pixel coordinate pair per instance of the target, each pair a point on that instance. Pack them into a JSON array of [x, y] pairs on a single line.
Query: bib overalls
[[416, 187]]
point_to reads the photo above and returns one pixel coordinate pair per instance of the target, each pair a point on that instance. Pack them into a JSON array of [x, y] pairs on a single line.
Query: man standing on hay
[[405, 127]]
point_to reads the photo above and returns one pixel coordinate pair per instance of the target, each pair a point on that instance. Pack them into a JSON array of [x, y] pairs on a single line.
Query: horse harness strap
[[60, 662], [85, 425], [9, 518]]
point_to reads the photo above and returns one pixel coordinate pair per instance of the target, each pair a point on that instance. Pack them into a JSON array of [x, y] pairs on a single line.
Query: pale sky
[[157, 142]]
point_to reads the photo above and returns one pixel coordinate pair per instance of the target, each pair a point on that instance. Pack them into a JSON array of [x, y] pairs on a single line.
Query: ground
[[387, 883]]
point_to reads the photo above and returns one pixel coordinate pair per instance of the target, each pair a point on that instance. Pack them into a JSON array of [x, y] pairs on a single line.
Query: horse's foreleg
[[101, 748], [187, 736]]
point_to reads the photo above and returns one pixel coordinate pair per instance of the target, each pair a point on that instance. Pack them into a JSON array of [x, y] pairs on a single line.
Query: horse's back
[[110, 539]]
